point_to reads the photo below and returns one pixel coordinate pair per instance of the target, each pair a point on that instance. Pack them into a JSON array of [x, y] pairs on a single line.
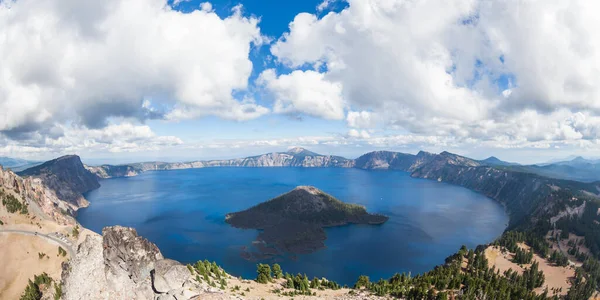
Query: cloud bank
[[500, 73], [488, 70], [83, 62]]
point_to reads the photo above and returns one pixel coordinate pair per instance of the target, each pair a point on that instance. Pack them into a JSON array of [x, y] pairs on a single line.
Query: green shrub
[[57, 291], [61, 251], [12, 204], [76, 231]]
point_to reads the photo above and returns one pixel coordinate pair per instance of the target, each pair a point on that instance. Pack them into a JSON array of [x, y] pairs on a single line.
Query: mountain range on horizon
[[578, 169]]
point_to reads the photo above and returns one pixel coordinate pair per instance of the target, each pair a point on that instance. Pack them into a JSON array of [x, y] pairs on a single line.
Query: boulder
[[185, 294], [164, 297], [128, 255], [169, 275]]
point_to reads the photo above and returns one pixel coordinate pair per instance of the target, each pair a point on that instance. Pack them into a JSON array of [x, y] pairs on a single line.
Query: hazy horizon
[[128, 160]]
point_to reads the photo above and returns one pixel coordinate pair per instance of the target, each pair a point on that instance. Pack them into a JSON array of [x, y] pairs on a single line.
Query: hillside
[[67, 177], [294, 222]]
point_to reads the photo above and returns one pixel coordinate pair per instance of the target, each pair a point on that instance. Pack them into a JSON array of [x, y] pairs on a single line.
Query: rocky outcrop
[[169, 275], [128, 255], [569, 211], [67, 177], [122, 265]]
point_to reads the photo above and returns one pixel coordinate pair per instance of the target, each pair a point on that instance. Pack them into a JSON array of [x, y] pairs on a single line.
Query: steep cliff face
[[67, 177], [40, 198]]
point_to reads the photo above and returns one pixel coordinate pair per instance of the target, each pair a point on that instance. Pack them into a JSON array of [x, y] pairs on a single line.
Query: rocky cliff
[[122, 265], [67, 177], [41, 199]]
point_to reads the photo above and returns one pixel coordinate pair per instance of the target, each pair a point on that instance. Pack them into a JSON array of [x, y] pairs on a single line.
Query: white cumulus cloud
[[360, 119], [85, 61], [436, 67], [305, 92]]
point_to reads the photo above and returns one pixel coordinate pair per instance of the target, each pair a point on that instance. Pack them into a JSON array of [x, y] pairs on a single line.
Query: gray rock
[[185, 294], [164, 297], [126, 253], [191, 284], [169, 275]]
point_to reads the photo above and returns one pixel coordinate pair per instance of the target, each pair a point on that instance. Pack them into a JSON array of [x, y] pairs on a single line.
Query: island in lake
[[293, 223]]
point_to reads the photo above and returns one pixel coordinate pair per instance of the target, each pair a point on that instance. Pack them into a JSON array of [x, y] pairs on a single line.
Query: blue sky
[[161, 80]]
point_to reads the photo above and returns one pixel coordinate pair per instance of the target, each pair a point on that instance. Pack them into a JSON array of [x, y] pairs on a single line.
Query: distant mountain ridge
[[295, 157], [578, 168], [494, 161], [16, 164]]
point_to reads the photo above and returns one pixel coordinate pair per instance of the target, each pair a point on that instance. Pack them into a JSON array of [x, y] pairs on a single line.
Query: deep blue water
[[183, 211]]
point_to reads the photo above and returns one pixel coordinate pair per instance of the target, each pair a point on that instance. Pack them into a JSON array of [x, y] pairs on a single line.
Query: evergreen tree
[[32, 292], [277, 273], [264, 273]]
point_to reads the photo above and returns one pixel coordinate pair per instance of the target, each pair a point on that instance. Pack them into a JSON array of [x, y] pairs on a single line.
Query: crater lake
[[183, 212]]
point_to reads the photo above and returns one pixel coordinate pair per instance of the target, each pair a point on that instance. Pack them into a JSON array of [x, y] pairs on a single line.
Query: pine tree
[[264, 273], [277, 273]]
